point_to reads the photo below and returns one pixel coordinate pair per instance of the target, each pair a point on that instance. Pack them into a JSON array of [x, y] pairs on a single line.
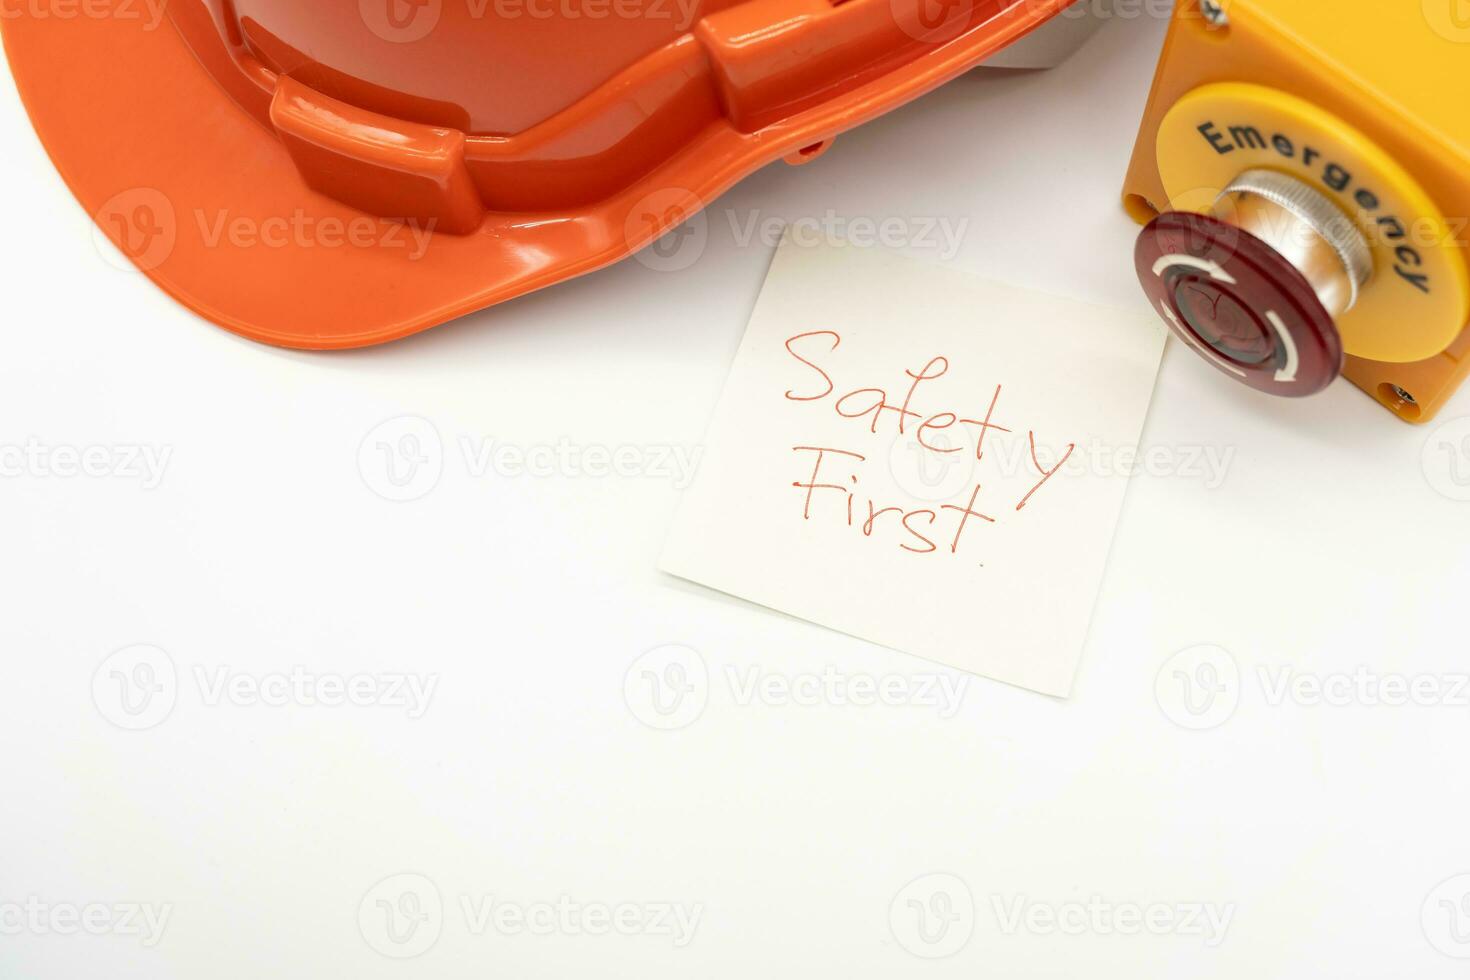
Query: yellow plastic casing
[[1368, 101]]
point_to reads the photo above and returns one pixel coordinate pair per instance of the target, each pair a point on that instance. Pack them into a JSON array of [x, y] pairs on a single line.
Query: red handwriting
[[861, 402], [848, 481], [836, 340], [873, 510], [1046, 474], [986, 426], [966, 512], [806, 511], [837, 471]]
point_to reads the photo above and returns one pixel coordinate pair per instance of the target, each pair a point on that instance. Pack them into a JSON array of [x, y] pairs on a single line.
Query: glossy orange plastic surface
[[340, 173]]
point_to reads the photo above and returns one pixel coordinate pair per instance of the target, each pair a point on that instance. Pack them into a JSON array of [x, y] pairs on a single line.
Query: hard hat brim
[[208, 203]]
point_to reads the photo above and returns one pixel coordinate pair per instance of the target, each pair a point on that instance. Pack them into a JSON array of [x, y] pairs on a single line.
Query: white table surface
[[1322, 827]]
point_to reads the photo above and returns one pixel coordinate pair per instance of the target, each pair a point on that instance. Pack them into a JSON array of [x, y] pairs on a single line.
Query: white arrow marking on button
[[1189, 338], [1215, 269], [1288, 373]]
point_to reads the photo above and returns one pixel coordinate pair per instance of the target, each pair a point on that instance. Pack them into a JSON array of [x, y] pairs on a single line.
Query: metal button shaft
[[1306, 229]]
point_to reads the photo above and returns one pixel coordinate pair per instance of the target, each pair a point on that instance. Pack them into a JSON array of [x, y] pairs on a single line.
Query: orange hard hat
[[337, 173]]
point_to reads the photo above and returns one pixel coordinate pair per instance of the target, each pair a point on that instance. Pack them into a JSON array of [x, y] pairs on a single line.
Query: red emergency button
[[1239, 304]]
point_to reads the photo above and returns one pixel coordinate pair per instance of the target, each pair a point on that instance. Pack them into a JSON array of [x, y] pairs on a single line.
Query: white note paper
[[921, 458]]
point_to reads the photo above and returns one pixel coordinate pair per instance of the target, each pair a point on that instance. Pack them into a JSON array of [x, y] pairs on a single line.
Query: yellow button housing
[[1364, 101]]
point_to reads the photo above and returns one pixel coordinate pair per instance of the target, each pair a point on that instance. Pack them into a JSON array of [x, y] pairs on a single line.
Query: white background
[[1323, 829]]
